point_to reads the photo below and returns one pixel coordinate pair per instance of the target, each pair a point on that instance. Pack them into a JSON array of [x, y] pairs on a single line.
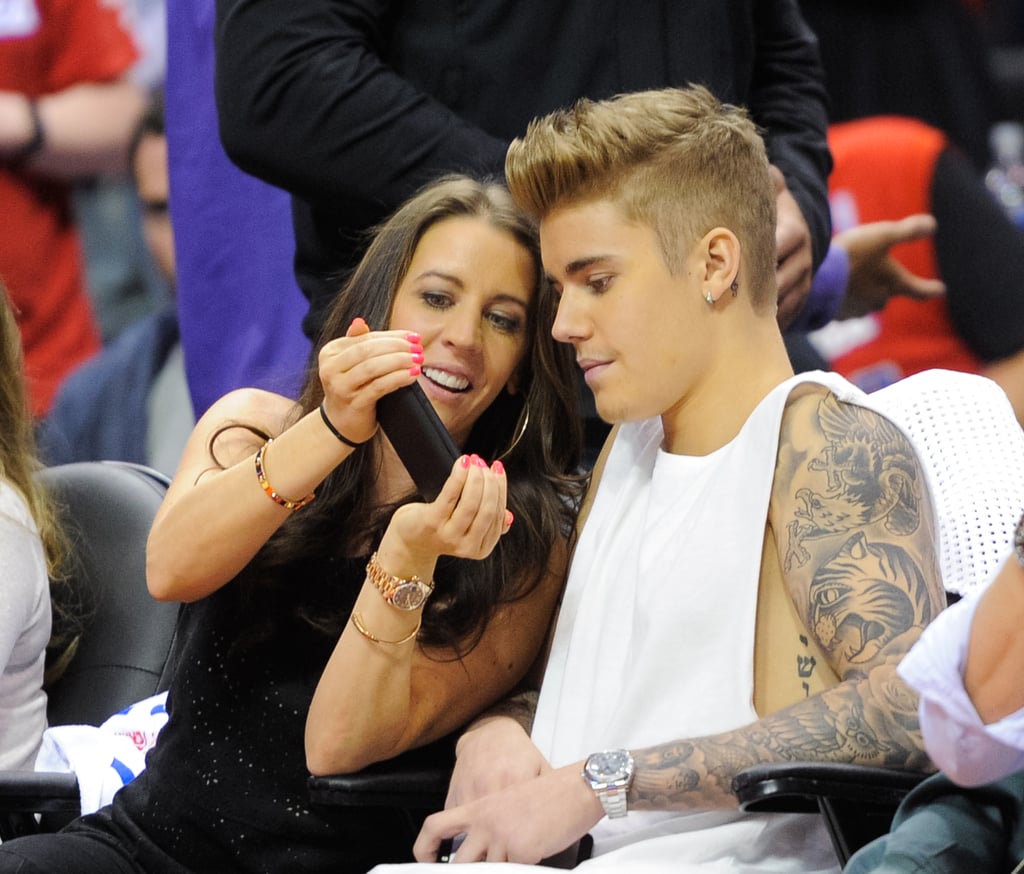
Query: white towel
[[105, 757]]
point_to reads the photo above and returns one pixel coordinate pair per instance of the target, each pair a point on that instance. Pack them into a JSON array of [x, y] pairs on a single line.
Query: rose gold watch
[[401, 592]]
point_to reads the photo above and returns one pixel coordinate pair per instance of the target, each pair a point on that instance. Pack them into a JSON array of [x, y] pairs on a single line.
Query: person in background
[[967, 668], [333, 618], [67, 111], [32, 550], [885, 168], [864, 51], [131, 401], [233, 238]]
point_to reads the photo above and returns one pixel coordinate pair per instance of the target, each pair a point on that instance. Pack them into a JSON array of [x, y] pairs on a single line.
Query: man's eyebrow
[[581, 264]]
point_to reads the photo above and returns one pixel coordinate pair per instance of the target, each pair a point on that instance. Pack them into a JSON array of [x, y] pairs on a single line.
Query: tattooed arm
[[854, 522], [855, 539]]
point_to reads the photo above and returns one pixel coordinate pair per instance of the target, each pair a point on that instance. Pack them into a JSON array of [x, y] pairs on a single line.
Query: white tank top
[[655, 639]]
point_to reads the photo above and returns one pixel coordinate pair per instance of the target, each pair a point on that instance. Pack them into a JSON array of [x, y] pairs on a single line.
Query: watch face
[[408, 596], [609, 766]]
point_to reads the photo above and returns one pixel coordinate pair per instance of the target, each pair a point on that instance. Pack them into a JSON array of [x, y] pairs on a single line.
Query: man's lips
[[592, 367]]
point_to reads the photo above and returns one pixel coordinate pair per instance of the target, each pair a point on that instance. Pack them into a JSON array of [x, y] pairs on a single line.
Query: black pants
[[66, 853]]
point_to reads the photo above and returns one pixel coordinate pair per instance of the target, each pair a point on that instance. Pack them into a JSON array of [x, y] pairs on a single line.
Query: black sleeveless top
[[224, 789]]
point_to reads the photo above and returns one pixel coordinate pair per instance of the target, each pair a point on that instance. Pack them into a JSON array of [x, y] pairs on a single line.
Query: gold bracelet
[[273, 495], [357, 621]]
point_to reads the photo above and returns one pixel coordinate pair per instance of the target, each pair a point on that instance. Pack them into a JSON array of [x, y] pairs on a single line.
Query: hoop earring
[[523, 421]]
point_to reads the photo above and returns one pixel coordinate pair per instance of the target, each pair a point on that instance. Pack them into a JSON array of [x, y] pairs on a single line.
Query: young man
[[757, 550]]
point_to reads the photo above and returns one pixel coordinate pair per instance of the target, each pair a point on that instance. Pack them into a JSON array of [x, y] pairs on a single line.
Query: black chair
[[126, 650], [857, 801]]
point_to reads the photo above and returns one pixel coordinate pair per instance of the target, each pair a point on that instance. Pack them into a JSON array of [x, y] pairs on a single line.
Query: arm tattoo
[[861, 558], [872, 721], [871, 476], [858, 556]]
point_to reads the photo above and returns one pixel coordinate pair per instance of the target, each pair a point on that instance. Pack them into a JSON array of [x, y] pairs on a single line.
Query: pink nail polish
[[417, 358], [413, 337], [478, 461], [414, 370], [498, 468], [415, 348]]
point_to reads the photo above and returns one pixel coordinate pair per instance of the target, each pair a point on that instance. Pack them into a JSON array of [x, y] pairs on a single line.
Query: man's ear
[[721, 251]]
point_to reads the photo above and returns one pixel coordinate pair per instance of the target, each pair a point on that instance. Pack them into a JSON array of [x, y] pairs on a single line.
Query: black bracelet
[[335, 431], [34, 143]]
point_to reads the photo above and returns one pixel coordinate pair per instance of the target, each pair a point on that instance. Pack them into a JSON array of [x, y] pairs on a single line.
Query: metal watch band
[[389, 586], [613, 800]]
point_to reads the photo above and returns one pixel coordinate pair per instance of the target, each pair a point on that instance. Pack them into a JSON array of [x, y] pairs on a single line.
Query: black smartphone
[[419, 436]]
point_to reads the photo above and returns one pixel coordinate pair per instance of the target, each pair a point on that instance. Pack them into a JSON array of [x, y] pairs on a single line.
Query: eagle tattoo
[[869, 477]]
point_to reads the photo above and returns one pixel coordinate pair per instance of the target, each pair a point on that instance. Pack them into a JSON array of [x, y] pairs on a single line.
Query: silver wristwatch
[[610, 773]]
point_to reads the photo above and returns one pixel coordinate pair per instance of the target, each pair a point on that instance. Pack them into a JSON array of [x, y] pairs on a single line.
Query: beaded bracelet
[[357, 621], [273, 495]]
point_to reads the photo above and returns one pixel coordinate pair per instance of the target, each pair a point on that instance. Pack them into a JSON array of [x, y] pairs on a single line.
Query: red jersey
[[883, 171], [45, 47]]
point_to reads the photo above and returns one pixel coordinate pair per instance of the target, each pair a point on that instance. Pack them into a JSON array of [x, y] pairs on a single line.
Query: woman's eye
[[599, 284], [505, 323], [436, 299]]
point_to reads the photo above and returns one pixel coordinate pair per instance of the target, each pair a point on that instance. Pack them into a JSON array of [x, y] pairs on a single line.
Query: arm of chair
[[416, 788], [857, 801], [39, 792], [415, 780], [32, 802]]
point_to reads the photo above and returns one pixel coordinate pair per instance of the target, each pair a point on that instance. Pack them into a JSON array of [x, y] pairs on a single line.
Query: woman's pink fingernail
[[413, 337], [478, 461], [416, 348], [498, 468], [415, 370], [464, 461], [509, 518], [417, 358], [358, 320]]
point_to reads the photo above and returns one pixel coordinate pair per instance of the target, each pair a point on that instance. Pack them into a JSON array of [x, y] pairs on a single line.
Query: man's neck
[[713, 413]]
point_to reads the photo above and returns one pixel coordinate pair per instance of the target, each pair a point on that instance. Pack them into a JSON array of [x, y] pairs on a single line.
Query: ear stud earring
[[708, 298]]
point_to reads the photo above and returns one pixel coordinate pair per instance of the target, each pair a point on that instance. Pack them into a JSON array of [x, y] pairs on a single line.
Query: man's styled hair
[[676, 159]]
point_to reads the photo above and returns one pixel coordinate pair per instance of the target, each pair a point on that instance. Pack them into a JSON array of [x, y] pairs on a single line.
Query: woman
[[290, 629], [31, 550]]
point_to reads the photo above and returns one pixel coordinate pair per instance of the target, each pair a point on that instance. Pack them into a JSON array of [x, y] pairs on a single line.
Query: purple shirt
[[239, 307]]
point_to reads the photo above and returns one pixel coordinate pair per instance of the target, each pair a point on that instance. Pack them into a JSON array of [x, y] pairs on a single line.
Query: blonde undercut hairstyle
[[676, 159]]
